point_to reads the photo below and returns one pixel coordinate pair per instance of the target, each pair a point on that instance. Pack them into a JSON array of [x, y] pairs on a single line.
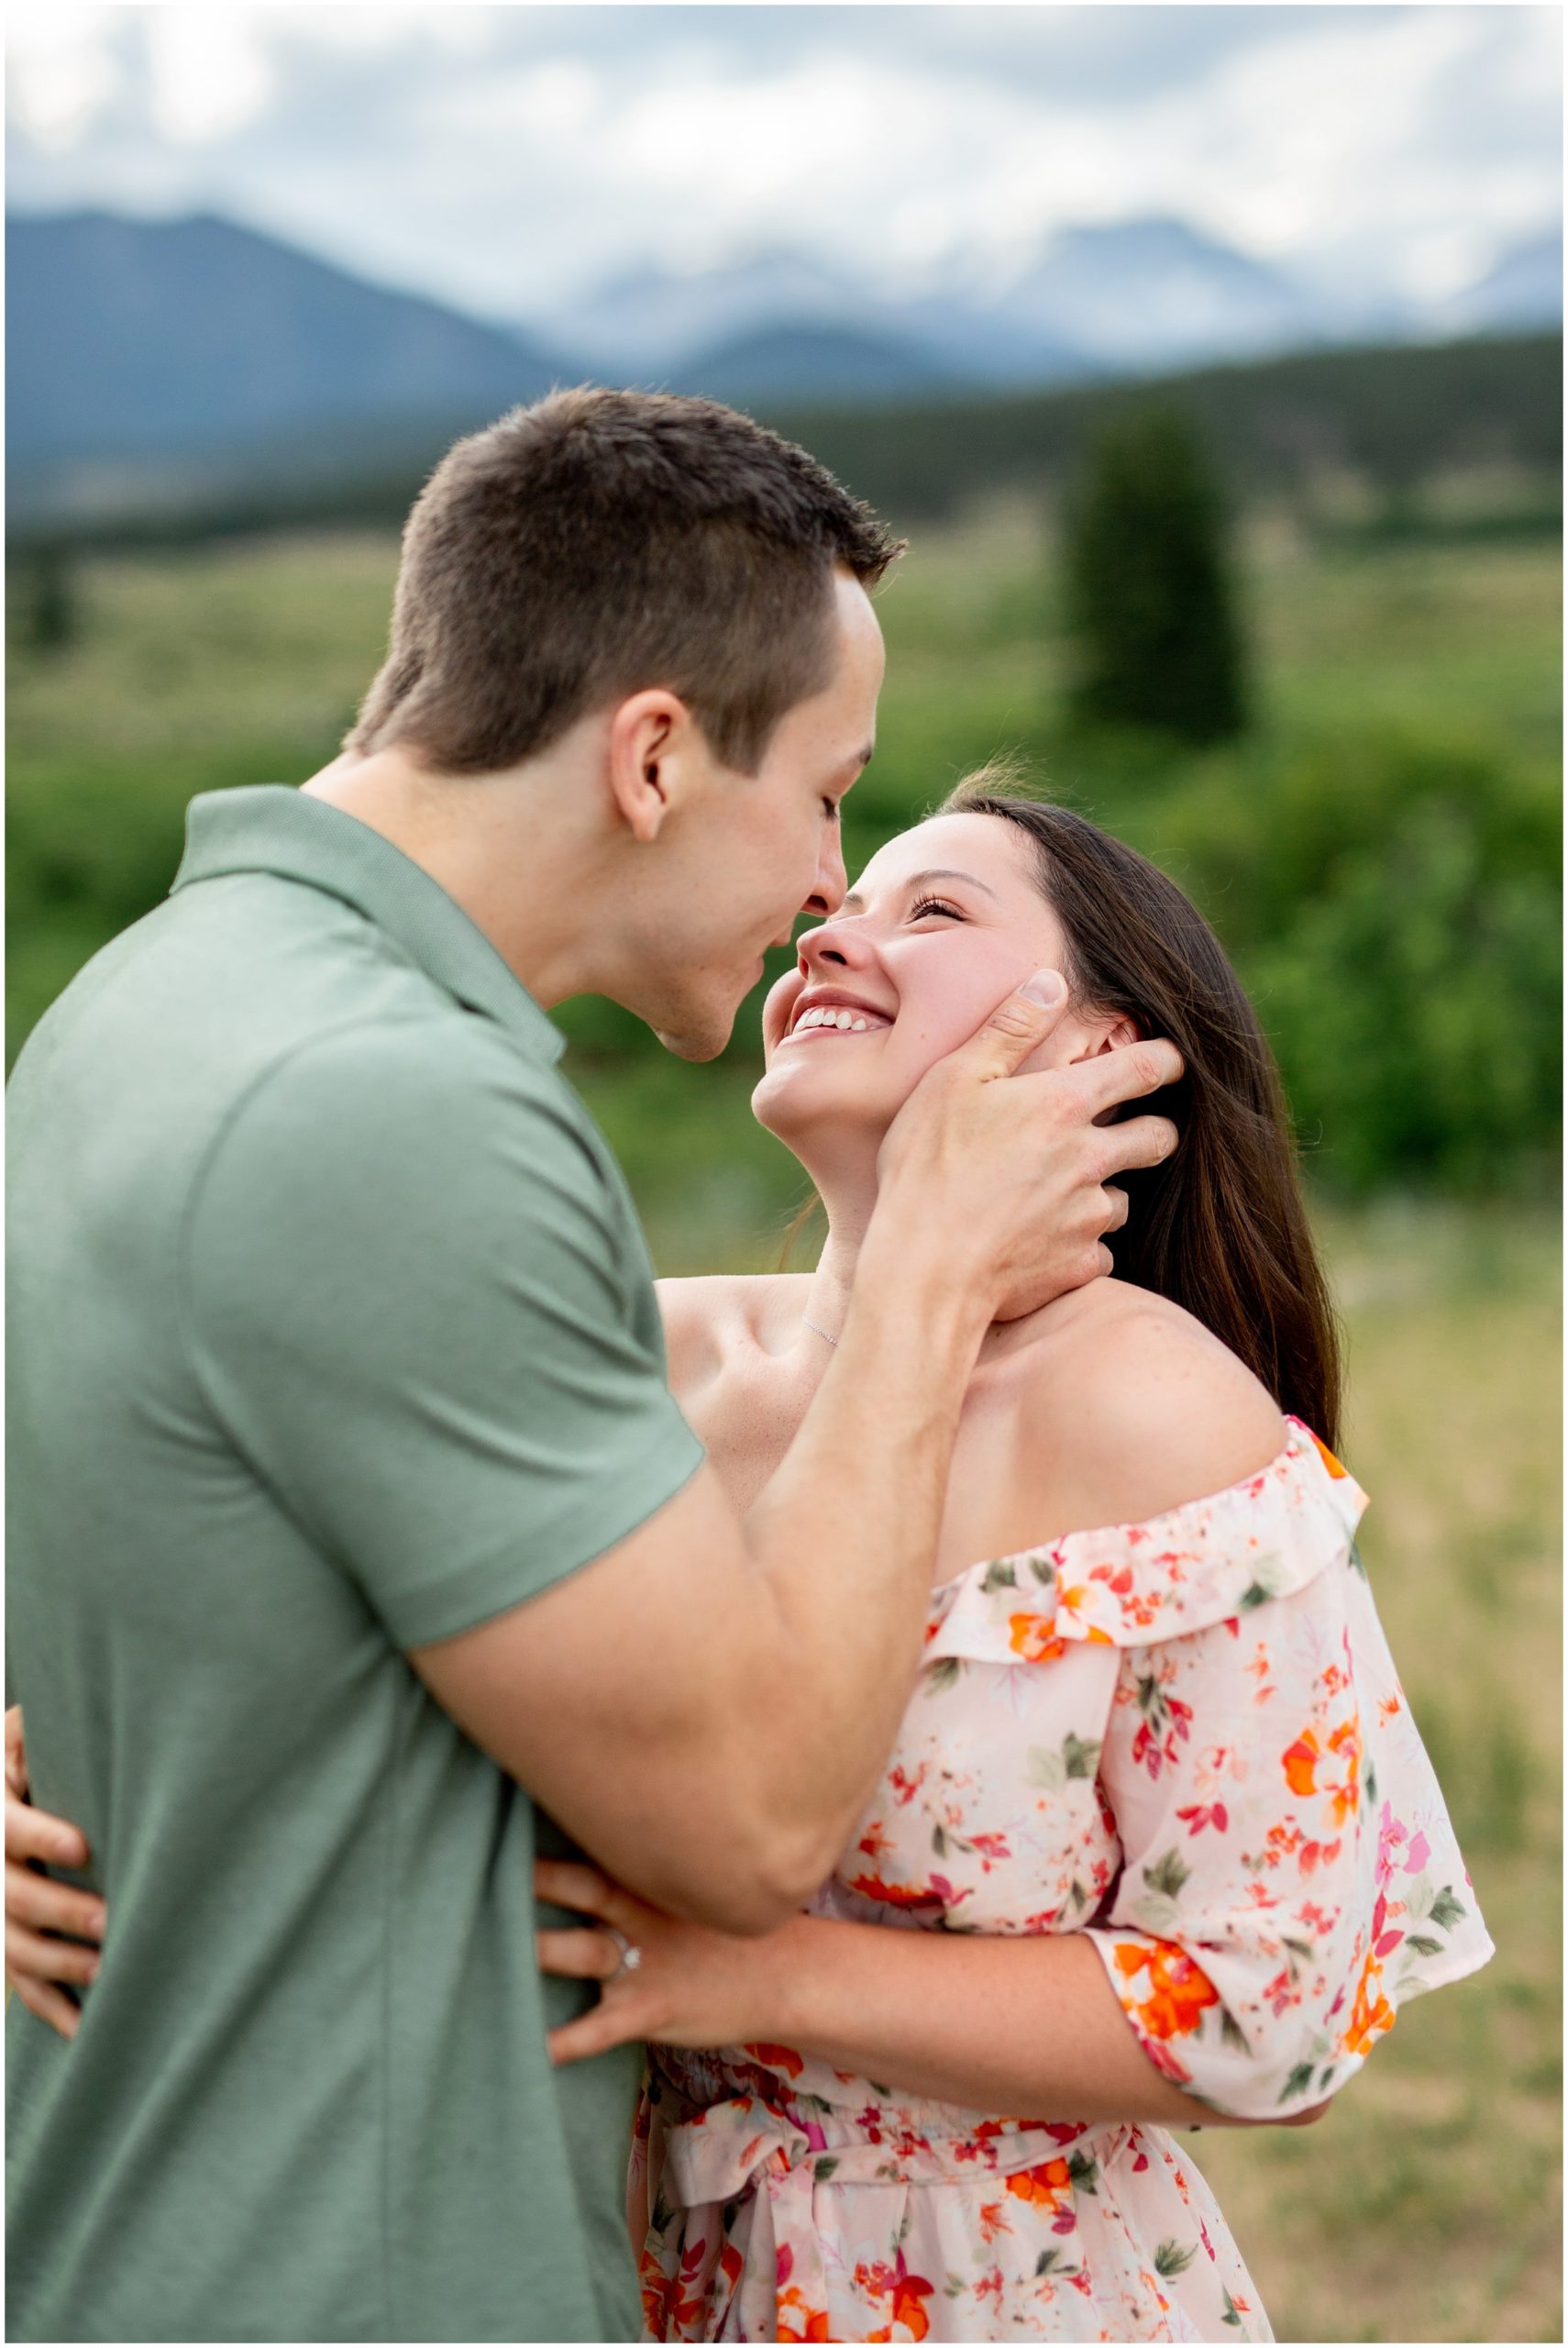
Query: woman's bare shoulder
[[1135, 1408]]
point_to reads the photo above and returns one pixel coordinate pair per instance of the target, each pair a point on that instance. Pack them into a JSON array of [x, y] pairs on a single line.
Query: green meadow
[[1380, 855]]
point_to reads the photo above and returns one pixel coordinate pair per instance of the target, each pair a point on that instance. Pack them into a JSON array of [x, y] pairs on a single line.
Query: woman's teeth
[[828, 1017]]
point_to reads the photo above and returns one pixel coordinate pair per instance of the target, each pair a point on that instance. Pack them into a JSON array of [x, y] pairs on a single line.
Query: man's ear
[[647, 733]]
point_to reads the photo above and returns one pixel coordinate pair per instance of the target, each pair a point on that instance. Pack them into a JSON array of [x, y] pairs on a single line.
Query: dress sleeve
[[1289, 1873]]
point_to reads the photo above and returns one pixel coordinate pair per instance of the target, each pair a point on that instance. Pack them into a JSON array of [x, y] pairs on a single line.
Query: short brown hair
[[600, 542]]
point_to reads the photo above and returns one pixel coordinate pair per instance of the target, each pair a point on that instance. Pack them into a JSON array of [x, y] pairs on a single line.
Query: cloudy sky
[[507, 158]]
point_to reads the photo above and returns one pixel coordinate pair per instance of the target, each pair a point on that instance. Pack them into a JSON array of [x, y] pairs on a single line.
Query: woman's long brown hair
[[1220, 1227]]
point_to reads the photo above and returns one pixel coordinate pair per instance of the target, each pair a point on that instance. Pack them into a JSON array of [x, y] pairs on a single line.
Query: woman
[[1158, 1844]]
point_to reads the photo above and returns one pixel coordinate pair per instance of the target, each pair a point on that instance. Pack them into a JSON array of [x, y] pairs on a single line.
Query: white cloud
[[499, 155]]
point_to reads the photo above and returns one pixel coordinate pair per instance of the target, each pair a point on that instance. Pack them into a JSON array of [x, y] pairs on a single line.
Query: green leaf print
[[1270, 1576], [1001, 1574], [1369, 1788], [1045, 1769], [1232, 2033], [939, 1840], [1047, 2262], [1081, 1755], [1230, 2314], [1299, 2082], [1084, 2170], [1423, 1945], [943, 1674], [1447, 1911], [1044, 1572], [824, 2169], [1171, 2259], [1167, 1875], [954, 2287]]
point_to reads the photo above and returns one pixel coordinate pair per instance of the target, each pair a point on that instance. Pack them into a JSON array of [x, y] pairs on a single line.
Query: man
[[352, 1516]]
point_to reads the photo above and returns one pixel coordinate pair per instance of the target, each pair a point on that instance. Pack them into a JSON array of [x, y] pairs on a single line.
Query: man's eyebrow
[[936, 872]]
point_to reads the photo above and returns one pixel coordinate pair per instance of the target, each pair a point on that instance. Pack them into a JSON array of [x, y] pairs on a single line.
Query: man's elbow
[[760, 1874]]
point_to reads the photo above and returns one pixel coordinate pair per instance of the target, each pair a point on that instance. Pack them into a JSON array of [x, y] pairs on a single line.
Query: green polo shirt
[[331, 1332]]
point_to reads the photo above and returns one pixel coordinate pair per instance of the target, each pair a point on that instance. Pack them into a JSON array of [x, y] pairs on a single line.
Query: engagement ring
[[631, 1955]]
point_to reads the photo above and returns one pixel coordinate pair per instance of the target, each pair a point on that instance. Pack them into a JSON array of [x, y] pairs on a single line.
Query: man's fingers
[[1119, 1206], [1141, 1141], [33, 1834], [49, 2004], [29, 1956], [579, 1955], [1021, 1022], [1126, 1072], [51, 1907]]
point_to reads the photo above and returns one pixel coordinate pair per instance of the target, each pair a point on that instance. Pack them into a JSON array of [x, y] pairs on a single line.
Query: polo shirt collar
[[271, 827]]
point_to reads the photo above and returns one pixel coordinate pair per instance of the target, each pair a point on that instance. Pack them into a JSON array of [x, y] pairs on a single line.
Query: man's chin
[[695, 1043]]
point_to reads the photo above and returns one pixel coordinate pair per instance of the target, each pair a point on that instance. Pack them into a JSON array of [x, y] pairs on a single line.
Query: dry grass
[[1425, 2206]]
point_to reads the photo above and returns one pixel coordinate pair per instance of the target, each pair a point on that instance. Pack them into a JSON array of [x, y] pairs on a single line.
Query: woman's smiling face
[[945, 921]]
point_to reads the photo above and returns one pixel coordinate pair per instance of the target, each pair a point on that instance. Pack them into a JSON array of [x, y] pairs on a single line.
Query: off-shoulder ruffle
[[1129, 1585]]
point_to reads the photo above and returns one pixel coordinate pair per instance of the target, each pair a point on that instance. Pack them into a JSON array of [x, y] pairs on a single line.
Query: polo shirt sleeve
[[411, 1305]]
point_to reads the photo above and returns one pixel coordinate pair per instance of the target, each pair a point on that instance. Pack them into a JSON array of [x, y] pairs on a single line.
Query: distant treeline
[[1389, 421]]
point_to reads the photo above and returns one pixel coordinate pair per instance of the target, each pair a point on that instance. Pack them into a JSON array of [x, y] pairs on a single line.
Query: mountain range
[[150, 362]]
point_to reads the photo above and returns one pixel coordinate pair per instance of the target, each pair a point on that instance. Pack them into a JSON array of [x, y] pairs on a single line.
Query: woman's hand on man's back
[[41, 1967]]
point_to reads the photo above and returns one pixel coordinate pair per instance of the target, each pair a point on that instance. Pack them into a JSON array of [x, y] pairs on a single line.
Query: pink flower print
[[1391, 1832], [1199, 1814], [1384, 1943], [1419, 1852]]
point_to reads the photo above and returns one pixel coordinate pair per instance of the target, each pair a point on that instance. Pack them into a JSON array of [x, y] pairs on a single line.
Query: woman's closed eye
[[934, 905]]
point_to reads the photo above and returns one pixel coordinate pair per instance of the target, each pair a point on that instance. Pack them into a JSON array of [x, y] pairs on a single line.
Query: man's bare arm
[[706, 1707]]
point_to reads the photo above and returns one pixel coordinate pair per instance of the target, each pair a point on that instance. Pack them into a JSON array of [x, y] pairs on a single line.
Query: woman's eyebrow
[[917, 880]]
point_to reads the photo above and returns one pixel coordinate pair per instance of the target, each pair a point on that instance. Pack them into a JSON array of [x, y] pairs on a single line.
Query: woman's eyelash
[[934, 905]]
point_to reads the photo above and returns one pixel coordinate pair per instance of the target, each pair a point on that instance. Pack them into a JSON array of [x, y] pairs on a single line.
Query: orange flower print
[[1327, 1456], [813, 2321], [777, 2058], [906, 2292], [1301, 1761], [1371, 2014], [1033, 1637], [1341, 1755], [992, 2223], [1046, 2185], [894, 1894], [1180, 1993]]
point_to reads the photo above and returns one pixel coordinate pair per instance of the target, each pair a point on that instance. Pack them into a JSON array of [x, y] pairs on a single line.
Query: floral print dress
[[1185, 1739]]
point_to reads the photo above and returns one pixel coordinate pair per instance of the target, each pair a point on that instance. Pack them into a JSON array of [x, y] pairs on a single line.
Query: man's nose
[[832, 883]]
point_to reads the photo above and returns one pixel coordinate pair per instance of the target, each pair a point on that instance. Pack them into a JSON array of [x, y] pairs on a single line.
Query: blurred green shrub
[[1394, 907], [1149, 597]]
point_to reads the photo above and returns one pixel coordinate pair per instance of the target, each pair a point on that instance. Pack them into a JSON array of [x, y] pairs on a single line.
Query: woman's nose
[[837, 945]]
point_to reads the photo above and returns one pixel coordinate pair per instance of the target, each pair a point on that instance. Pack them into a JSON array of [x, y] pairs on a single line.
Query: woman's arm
[[1027, 2027]]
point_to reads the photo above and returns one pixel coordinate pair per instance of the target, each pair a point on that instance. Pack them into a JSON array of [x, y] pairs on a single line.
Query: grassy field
[[1426, 2204], [1424, 2207]]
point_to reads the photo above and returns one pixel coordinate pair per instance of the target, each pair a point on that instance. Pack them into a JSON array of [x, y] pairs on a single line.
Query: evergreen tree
[[50, 618], [1149, 596]]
